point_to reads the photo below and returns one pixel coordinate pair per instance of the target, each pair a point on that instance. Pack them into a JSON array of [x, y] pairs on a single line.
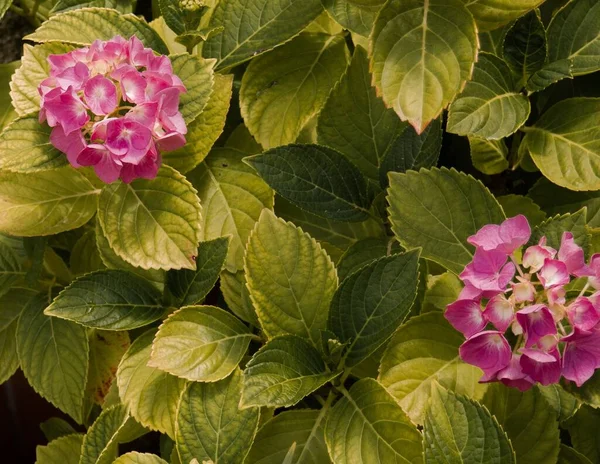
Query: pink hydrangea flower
[[552, 335], [506, 237], [114, 106]]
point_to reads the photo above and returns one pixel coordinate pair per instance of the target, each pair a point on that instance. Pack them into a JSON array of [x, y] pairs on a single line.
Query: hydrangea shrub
[[305, 231]]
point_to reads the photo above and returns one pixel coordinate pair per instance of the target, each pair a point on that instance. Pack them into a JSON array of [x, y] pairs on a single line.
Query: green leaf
[[204, 130], [26, 79], [106, 351], [112, 261], [422, 53], [491, 14], [85, 257], [209, 424], [493, 41], [282, 372], [356, 122], [564, 403], [527, 420], [54, 356], [362, 253], [237, 297], [110, 300], [153, 224], [549, 74], [64, 450], [370, 304], [198, 78], [11, 268], [565, 144], [437, 210], [4, 6], [412, 151], [568, 455], [55, 427], [123, 6], [317, 179], [45, 203], [285, 88], [589, 393], [252, 29], [422, 351], [554, 227], [82, 27], [356, 16], [7, 111], [11, 305], [489, 156], [25, 147], [150, 394], [518, 204], [334, 236], [574, 34], [233, 197], [134, 457], [441, 290], [525, 46], [200, 343], [367, 425], [101, 440], [290, 278], [191, 287], [489, 107], [559, 200], [303, 427], [584, 432], [178, 18], [459, 430]]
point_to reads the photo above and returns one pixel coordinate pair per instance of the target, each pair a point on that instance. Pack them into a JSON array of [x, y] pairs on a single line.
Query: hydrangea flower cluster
[[519, 325], [115, 106]]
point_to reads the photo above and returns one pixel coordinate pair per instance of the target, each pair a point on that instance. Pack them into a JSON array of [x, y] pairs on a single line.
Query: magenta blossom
[[520, 324], [114, 106]]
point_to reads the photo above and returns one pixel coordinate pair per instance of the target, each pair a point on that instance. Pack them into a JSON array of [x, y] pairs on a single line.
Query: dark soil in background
[[12, 29]]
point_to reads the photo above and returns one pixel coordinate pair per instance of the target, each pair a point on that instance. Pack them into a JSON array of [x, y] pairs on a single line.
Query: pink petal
[[465, 316], [171, 141], [553, 273], [101, 95], [138, 54], [133, 86], [160, 64], [542, 367], [487, 350], [469, 293], [106, 167], [128, 139], [594, 281], [72, 144], [155, 83], [146, 169], [513, 375], [488, 271], [523, 291], [581, 355], [536, 321], [146, 114], [582, 314], [506, 237], [75, 76], [500, 312], [535, 255], [67, 110], [572, 255], [556, 295]]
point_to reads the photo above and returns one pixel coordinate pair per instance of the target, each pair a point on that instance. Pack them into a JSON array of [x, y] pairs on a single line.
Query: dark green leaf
[[190, 287], [110, 300], [369, 305], [318, 179]]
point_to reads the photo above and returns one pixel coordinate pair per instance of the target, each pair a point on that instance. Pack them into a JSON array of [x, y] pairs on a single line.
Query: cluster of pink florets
[[519, 325], [115, 106]]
